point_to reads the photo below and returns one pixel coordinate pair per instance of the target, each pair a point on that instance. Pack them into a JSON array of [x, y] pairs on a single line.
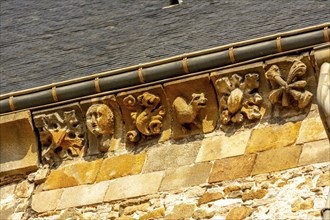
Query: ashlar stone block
[[186, 176], [315, 152], [62, 133], [146, 115], [133, 186], [218, 147], [83, 195], [311, 130], [46, 200], [194, 106], [73, 175], [232, 168], [273, 136], [104, 124], [119, 166], [277, 159], [172, 155], [18, 144]]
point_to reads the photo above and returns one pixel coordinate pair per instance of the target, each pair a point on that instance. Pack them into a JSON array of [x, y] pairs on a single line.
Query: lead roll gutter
[[165, 69]]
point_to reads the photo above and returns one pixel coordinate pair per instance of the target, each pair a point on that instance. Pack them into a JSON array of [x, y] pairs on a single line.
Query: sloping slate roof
[[50, 41]]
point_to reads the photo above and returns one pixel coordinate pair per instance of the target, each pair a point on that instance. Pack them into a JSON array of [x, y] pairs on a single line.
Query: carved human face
[[100, 119]]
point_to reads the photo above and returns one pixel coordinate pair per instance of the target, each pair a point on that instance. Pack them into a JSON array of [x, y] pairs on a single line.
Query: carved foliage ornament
[[100, 122], [62, 137], [187, 113], [290, 89], [239, 98], [147, 115]]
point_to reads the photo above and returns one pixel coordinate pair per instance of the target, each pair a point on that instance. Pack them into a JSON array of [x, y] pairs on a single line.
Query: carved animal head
[[148, 100], [198, 100]]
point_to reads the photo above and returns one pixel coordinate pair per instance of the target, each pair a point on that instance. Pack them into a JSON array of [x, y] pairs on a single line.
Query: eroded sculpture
[[239, 98], [147, 115], [187, 113], [61, 136], [286, 91], [100, 122]]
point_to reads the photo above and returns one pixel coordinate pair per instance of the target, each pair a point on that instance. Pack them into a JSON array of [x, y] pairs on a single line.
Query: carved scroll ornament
[[187, 113], [147, 115], [100, 122], [286, 91], [239, 98], [62, 137]]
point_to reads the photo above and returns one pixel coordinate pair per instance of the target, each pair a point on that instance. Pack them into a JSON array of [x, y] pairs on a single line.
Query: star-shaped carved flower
[[291, 88]]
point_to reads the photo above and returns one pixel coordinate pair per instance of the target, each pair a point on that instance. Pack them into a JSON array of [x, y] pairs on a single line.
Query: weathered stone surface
[[133, 186], [232, 168], [73, 175], [19, 146], [254, 194], [311, 130], [273, 136], [194, 108], [231, 188], [209, 197], [146, 114], [163, 157], [24, 189], [181, 211], [315, 152], [277, 159], [186, 176], [301, 204], [323, 180], [83, 195], [284, 73], [239, 213], [238, 90], [131, 209], [222, 146], [119, 166], [46, 200], [203, 214], [62, 133], [157, 213], [8, 203], [103, 122]]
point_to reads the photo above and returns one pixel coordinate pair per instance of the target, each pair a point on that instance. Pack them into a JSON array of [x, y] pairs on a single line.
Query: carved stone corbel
[[239, 98], [62, 134], [290, 89], [145, 114], [104, 124]]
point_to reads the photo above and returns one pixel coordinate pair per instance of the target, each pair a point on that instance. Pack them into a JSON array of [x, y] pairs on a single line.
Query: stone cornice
[[165, 70]]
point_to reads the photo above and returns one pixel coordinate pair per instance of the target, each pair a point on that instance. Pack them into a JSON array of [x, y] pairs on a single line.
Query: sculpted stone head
[[100, 119]]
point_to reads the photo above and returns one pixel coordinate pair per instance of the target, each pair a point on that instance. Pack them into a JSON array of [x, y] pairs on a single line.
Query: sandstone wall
[[245, 142]]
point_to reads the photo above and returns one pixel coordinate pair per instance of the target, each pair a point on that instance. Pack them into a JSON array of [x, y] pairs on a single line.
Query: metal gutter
[[182, 65]]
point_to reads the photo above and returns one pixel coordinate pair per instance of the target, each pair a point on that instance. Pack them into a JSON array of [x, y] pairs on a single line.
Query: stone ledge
[[18, 144]]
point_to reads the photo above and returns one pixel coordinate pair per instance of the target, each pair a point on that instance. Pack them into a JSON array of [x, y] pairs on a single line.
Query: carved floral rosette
[[146, 113], [289, 91], [239, 98], [62, 136]]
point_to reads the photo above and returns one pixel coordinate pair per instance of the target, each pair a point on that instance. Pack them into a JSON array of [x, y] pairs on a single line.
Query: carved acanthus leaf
[[239, 99]]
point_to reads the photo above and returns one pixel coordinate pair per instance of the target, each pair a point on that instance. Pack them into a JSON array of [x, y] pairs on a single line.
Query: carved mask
[[100, 119]]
